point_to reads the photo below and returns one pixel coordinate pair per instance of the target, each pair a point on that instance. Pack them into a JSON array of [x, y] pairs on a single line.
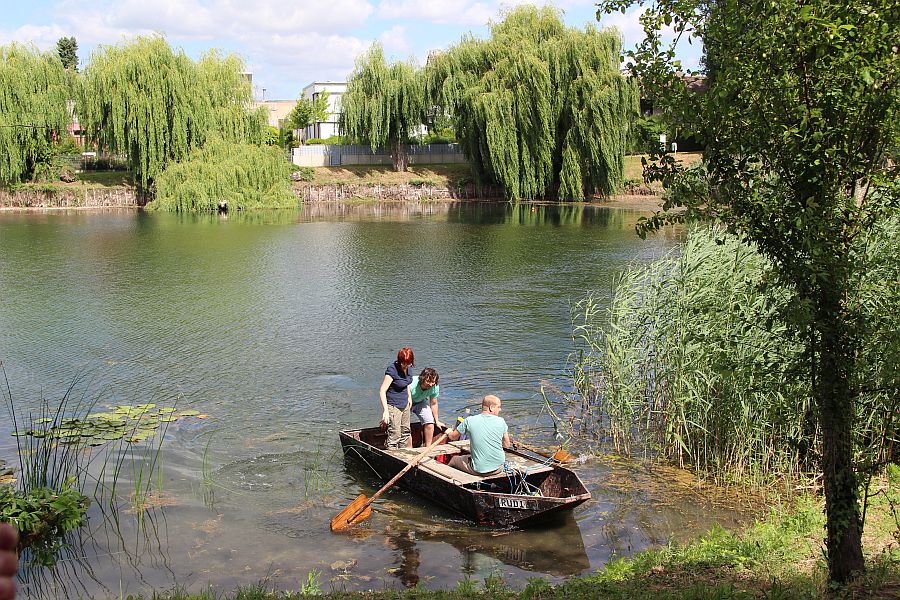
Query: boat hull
[[489, 502]]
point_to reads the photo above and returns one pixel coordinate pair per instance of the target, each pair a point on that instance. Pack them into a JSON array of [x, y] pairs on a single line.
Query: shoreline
[[118, 198]]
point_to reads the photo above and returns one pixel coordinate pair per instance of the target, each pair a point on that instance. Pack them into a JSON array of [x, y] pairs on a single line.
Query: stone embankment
[[128, 198], [72, 198], [402, 192]]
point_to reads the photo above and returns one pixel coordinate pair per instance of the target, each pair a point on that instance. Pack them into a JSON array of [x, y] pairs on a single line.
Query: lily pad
[[190, 413]]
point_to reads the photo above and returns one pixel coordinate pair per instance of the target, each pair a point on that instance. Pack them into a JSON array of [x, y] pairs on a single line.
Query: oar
[[360, 509], [560, 456]]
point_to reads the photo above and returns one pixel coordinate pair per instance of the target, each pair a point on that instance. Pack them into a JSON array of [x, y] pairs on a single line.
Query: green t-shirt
[[486, 434], [420, 395]]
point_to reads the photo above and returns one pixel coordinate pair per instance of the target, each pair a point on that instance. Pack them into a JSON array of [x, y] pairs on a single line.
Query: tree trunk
[[832, 393], [399, 156]]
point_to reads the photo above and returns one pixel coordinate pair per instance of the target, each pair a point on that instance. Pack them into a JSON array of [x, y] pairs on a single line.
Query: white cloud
[[461, 12], [394, 41], [42, 36]]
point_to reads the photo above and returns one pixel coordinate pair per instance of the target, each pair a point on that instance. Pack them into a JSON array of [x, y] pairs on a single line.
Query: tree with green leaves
[[34, 90], [307, 111], [540, 108], [800, 117], [67, 48], [243, 176], [155, 105], [384, 104]]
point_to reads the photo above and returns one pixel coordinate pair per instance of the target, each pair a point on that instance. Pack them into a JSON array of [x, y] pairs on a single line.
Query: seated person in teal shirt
[[425, 389], [488, 435]]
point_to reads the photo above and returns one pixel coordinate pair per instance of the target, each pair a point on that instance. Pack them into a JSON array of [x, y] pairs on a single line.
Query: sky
[[286, 44]]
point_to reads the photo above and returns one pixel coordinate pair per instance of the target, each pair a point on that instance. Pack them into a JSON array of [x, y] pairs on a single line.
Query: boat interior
[[525, 473]]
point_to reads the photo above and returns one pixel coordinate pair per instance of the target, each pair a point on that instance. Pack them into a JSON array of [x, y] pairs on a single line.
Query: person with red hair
[[396, 399]]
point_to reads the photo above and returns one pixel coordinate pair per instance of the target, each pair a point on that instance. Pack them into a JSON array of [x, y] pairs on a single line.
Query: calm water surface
[[279, 326]]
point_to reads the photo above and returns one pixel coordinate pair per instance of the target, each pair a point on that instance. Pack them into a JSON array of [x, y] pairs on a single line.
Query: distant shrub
[[315, 142], [104, 164], [303, 174], [245, 176]]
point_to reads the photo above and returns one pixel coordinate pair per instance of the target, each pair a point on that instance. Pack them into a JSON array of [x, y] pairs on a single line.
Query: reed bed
[[693, 360]]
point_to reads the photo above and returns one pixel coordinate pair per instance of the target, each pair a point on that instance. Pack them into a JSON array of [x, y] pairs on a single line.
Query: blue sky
[[286, 44]]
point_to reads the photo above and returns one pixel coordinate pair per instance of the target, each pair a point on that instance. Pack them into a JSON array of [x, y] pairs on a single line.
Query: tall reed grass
[[693, 360]]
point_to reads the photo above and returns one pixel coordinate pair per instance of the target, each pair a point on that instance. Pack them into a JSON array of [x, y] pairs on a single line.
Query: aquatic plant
[[244, 176], [693, 361]]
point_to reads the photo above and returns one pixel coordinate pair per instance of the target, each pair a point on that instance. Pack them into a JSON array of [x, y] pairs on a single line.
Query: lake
[[279, 326]]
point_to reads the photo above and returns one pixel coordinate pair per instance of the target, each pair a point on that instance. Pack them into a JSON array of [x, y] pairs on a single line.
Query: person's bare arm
[[9, 538], [385, 415], [434, 413], [506, 440], [452, 435]]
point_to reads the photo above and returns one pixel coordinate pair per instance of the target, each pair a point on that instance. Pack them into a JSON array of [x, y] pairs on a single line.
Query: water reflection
[[130, 547], [556, 550], [279, 325]]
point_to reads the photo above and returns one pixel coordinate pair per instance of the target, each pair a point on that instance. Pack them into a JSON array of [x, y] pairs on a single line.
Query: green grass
[[105, 178]]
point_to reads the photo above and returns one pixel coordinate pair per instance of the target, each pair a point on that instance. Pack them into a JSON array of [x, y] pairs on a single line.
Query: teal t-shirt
[[486, 435], [420, 395]]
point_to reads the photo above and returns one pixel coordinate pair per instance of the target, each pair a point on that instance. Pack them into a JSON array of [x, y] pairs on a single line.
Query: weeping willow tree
[[245, 176], [539, 107], [34, 91], [383, 103], [156, 105]]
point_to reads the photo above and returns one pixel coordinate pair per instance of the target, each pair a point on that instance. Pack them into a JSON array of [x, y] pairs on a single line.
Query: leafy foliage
[[799, 117], [67, 49], [384, 103], [34, 89], [539, 106], [42, 516], [306, 112], [155, 105], [246, 176], [694, 358]]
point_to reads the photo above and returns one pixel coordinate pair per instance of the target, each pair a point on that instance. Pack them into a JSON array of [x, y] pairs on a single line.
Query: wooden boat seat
[[520, 463]]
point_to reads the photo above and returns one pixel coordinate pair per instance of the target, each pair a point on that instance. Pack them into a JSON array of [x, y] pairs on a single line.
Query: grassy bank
[[779, 558], [437, 175], [86, 180]]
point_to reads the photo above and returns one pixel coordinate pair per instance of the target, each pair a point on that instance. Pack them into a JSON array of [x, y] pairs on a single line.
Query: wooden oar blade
[[563, 457], [343, 522]]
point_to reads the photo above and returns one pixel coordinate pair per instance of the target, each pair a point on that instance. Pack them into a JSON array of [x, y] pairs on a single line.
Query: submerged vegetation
[[778, 558], [70, 456], [245, 176]]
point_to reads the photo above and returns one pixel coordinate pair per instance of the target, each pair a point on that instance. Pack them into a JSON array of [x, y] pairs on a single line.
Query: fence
[[334, 156]]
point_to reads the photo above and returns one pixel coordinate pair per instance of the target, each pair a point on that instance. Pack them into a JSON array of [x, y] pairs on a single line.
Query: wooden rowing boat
[[531, 489]]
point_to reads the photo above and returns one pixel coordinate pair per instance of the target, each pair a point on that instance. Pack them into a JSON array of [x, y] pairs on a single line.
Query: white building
[[329, 127]]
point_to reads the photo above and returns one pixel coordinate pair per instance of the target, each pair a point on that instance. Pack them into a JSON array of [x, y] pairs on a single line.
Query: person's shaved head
[[489, 402]]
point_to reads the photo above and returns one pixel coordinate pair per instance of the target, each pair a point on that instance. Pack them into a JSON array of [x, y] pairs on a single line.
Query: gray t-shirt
[[486, 434]]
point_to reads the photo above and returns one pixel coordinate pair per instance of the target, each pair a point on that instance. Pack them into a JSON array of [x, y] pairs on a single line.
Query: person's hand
[[385, 418], [440, 426], [9, 538]]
